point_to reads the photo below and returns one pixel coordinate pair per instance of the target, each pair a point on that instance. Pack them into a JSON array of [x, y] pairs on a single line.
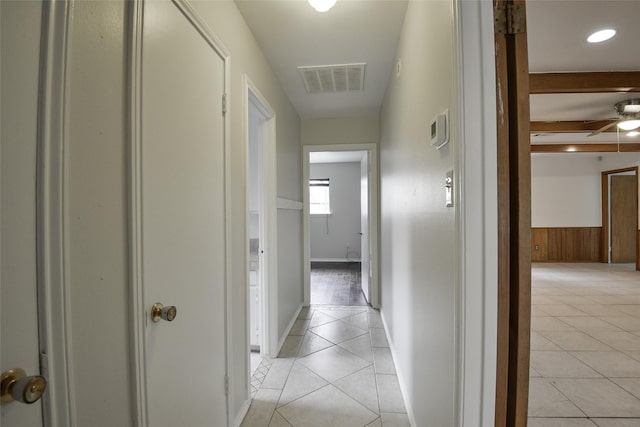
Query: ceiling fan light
[[629, 124], [602, 35], [322, 5]]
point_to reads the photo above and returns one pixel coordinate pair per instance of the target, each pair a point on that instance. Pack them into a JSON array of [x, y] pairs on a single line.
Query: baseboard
[[243, 413], [334, 260], [288, 329], [401, 380]]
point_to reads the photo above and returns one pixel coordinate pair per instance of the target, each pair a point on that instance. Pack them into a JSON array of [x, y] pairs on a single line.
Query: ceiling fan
[[629, 117]]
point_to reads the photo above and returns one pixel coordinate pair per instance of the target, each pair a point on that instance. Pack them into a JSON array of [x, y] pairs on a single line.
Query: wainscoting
[[566, 244]]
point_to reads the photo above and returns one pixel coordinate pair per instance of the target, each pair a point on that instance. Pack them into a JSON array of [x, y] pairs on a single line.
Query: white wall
[[566, 187], [418, 265], [255, 154], [331, 234], [565, 190], [352, 130], [100, 320]]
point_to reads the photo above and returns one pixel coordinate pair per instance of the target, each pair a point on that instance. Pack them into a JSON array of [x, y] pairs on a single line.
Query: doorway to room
[[261, 223], [340, 227], [337, 182], [620, 216]]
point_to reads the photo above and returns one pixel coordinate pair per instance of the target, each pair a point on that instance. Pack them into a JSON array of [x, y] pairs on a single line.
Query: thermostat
[[440, 130]]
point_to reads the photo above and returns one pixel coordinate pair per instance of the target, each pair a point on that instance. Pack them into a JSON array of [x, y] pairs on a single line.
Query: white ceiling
[[292, 34]]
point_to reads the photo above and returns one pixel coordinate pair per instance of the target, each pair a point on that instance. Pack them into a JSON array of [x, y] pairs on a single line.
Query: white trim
[[54, 300], [374, 228], [268, 219], [243, 412], [401, 380], [289, 204], [287, 330], [134, 85], [135, 31], [476, 222]]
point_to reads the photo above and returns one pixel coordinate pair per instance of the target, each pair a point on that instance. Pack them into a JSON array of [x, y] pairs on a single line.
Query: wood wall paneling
[[566, 244], [539, 245]]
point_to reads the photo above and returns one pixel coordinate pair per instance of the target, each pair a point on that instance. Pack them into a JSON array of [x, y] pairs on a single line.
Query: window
[[319, 199]]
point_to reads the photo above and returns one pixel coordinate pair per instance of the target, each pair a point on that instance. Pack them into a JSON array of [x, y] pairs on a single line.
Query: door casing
[[372, 150], [268, 219]]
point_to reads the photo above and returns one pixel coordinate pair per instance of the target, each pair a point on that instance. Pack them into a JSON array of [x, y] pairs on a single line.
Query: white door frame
[[268, 221], [138, 310], [372, 150], [54, 300]]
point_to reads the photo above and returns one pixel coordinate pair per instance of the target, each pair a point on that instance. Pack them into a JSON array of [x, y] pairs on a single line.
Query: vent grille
[[333, 78]]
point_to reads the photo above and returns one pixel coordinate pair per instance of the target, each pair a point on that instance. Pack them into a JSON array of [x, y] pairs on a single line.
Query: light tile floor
[[334, 370], [585, 346]]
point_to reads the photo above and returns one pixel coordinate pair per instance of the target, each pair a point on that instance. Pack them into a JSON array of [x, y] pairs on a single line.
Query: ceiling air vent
[[333, 78]]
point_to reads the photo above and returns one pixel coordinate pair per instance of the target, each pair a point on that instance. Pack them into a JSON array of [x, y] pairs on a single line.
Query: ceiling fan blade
[[603, 128]]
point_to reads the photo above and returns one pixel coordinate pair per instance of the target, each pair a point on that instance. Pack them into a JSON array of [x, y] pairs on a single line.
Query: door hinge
[[226, 385], [224, 104], [44, 364], [509, 18]]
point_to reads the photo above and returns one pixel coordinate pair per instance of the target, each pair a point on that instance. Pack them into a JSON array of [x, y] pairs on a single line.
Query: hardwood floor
[[336, 283]]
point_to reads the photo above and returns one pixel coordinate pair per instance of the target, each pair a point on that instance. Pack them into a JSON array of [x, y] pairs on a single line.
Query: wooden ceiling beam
[[592, 82], [586, 148], [570, 126]]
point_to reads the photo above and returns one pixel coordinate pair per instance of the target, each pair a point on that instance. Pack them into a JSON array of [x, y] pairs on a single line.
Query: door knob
[[16, 385], [160, 312]]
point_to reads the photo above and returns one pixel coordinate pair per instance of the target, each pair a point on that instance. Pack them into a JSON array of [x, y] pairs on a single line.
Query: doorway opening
[[341, 224], [620, 216], [338, 211], [261, 228]]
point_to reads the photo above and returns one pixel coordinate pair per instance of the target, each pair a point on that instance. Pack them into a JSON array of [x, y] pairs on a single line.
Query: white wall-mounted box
[[440, 130]]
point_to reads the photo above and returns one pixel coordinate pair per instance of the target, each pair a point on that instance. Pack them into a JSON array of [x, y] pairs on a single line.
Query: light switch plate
[[448, 186]]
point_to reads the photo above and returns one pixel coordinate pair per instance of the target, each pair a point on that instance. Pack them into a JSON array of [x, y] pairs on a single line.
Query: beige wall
[[97, 153], [353, 130], [418, 264]]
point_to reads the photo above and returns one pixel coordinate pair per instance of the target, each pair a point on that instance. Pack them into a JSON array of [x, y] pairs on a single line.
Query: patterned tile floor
[[585, 346], [334, 370]]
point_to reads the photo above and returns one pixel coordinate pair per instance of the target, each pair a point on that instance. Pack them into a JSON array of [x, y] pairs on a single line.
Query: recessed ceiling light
[[602, 35], [629, 124], [322, 5], [633, 133]]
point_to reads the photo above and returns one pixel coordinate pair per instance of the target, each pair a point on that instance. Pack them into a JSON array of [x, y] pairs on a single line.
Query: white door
[[364, 224], [20, 51], [183, 220]]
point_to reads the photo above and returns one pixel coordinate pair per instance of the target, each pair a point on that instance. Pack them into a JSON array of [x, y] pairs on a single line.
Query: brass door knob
[[16, 385], [160, 312]]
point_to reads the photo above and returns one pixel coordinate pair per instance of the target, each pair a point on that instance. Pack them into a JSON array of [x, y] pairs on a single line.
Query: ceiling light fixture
[[629, 124], [322, 5], [633, 133], [599, 36]]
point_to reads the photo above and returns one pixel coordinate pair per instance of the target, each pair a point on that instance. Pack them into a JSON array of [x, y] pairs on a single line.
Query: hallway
[[585, 346], [335, 369]]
